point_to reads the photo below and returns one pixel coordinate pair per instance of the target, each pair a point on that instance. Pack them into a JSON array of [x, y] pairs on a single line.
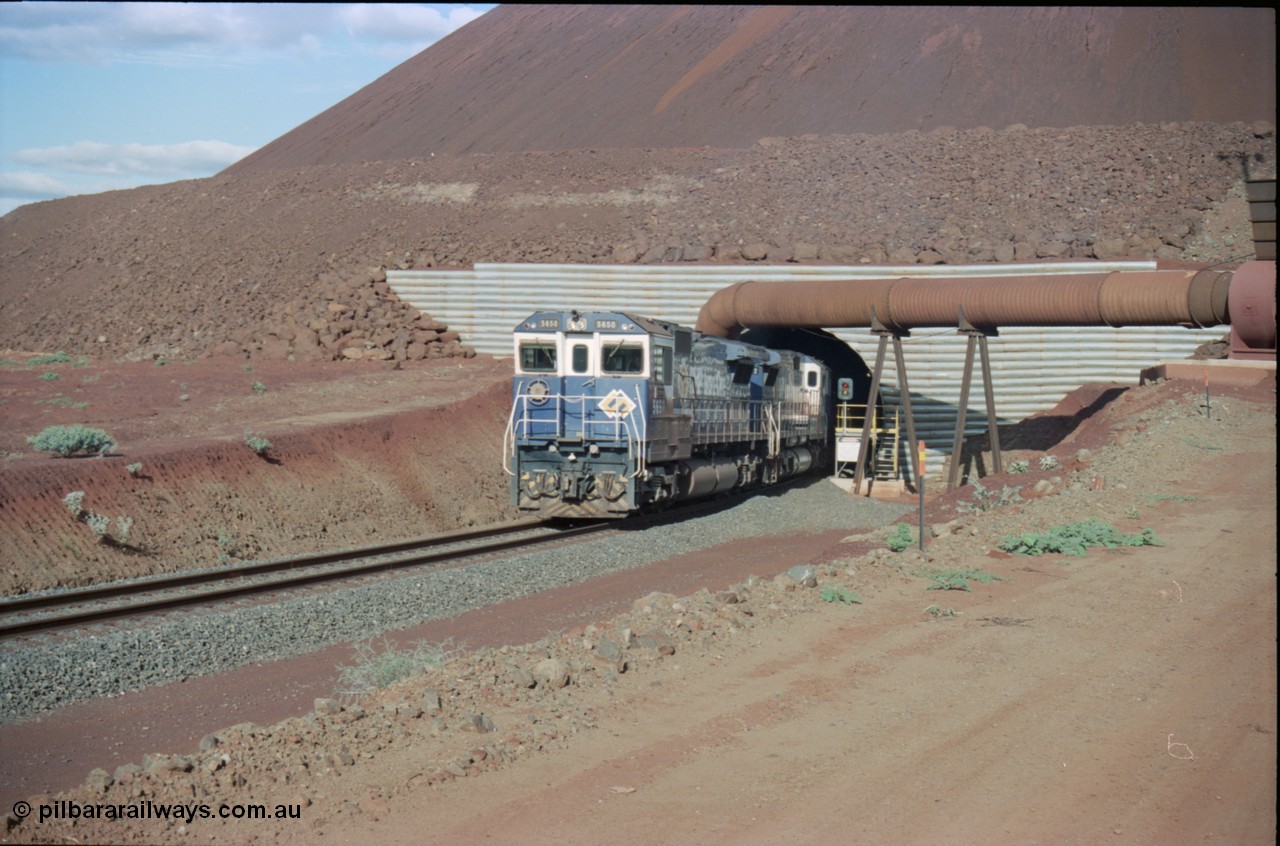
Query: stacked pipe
[[1195, 298]]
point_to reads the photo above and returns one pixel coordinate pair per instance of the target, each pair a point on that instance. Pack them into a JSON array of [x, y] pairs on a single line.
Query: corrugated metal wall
[[1032, 368]]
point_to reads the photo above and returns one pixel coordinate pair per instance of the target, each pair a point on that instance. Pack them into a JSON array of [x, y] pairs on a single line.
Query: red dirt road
[[1127, 697]]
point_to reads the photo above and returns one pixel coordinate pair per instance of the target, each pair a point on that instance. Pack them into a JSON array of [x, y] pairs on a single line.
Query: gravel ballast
[[39, 677]]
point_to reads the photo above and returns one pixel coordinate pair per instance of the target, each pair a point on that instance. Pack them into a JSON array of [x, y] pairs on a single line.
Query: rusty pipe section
[[1122, 298]]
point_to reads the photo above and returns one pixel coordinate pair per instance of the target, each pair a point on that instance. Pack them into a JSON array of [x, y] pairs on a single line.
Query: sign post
[[1208, 409], [920, 487]]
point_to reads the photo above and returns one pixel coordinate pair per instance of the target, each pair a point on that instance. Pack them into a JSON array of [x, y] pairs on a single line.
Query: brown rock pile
[[355, 319], [256, 265]]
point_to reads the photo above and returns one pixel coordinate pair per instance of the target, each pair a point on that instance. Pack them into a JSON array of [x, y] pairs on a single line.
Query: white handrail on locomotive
[[713, 421], [716, 420], [559, 407]]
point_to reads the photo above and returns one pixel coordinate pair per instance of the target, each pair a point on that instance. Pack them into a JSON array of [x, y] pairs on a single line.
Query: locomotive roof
[[639, 324], [634, 323]]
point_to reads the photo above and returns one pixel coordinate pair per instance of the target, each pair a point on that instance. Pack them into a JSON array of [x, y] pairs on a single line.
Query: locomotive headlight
[[552, 448], [593, 450]]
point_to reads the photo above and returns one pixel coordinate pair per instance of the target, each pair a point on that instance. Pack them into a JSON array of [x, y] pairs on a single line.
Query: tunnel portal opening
[[839, 357]]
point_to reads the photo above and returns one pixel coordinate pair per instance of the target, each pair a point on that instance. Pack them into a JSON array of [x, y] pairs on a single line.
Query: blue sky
[[102, 96]]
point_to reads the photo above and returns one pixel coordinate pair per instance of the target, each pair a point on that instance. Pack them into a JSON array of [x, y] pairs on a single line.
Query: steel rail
[[251, 568], [422, 556]]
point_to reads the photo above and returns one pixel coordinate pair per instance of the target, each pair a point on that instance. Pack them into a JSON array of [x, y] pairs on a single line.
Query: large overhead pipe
[[1123, 298]]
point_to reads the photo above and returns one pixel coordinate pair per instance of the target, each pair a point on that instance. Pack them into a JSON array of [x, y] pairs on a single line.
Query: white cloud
[[186, 33], [404, 21], [151, 160], [32, 186]]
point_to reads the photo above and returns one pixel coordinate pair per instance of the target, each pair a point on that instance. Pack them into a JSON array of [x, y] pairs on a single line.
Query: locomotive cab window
[[662, 357], [581, 358], [622, 358], [813, 379], [538, 357]]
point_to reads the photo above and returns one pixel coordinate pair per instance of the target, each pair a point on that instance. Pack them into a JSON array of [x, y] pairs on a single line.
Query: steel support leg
[[993, 425], [872, 398], [905, 393], [957, 442]]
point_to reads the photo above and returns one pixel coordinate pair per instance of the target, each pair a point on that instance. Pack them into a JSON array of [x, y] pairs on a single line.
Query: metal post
[[906, 402], [920, 482], [993, 425], [957, 443], [872, 397]]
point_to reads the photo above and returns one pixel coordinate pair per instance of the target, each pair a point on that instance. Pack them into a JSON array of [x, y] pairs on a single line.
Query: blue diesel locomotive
[[614, 414]]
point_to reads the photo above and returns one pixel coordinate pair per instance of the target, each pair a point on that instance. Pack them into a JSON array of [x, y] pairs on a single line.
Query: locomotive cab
[[613, 413], [577, 425]]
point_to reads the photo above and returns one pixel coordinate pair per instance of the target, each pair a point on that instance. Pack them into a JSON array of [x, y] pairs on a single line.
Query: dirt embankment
[[354, 458]]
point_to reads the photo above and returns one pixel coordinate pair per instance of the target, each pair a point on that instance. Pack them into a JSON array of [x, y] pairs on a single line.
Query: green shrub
[[901, 538], [959, 579], [123, 526], [1075, 539], [1019, 466], [374, 670], [48, 377], [69, 440], [1048, 462], [99, 523], [257, 443], [59, 357], [135, 469], [985, 500], [259, 388], [74, 502], [834, 594]]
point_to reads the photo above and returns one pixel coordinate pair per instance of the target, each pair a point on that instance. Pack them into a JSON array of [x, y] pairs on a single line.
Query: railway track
[[53, 611], [68, 609]]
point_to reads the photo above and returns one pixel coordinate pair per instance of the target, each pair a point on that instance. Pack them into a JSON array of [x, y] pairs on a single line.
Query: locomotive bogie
[[613, 414]]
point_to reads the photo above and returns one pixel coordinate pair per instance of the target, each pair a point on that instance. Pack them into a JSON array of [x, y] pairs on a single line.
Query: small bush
[[1019, 466], [69, 440], [257, 443], [59, 357], [48, 377], [74, 502], [123, 526], [135, 469], [259, 388], [1048, 462], [985, 500], [959, 579], [98, 523], [833, 594], [1075, 539], [374, 670], [901, 538]]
